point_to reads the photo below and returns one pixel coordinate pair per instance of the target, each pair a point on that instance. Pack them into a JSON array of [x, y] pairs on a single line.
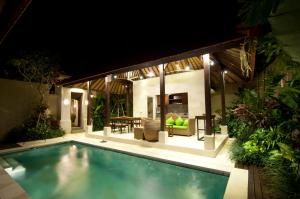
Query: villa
[[153, 104], [157, 101]]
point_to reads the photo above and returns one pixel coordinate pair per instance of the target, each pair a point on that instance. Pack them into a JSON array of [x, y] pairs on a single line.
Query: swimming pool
[[75, 170]]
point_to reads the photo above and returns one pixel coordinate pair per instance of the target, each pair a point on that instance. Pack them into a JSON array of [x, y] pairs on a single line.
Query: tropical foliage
[[98, 112], [266, 120]]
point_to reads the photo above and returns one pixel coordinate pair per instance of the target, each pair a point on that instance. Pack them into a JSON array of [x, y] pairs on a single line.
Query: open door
[[76, 105], [150, 107]]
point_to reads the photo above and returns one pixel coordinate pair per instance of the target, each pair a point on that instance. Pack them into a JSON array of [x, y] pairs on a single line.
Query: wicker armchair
[[151, 129]]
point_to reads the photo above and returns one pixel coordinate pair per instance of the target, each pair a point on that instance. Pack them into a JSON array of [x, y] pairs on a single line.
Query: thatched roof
[[229, 58]]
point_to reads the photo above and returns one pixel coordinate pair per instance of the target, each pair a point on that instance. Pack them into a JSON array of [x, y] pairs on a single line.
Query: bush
[[282, 180], [248, 155], [37, 127]]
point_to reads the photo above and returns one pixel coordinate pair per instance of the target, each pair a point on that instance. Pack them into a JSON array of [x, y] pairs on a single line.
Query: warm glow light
[[86, 102], [77, 90], [212, 63], [75, 106], [161, 67], [141, 77], [150, 74], [66, 102], [92, 96], [187, 68], [115, 76], [206, 59], [225, 71]]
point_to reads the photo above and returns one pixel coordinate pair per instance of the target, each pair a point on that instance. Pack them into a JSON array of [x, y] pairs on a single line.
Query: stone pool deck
[[237, 187]]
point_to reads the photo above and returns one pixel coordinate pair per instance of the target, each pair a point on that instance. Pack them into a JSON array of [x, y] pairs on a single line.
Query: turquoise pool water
[[73, 170]]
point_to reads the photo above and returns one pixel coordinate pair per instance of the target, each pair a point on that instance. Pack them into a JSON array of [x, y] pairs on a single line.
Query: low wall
[[17, 100]]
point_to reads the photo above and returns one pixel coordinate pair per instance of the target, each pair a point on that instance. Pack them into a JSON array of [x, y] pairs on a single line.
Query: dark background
[[90, 37]]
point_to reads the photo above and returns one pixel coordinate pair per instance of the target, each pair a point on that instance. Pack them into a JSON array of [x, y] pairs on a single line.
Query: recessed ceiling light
[[151, 74]]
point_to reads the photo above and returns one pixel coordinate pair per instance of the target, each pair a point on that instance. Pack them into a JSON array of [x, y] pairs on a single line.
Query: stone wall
[[17, 100]]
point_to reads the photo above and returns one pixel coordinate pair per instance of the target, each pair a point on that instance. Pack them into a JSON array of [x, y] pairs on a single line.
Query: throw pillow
[[170, 121], [186, 122], [179, 121]]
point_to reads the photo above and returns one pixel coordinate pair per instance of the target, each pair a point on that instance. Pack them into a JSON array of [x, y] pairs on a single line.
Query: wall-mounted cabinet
[[178, 98]]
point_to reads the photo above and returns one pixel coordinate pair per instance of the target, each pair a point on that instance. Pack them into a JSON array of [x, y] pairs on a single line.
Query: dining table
[[124, 121]]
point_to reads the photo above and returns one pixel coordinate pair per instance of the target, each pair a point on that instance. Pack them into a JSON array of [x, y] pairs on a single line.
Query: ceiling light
[[115, 76], [225, 71], [206, 59], [187, 68], [141, 77], [212, 62], [151, 74]]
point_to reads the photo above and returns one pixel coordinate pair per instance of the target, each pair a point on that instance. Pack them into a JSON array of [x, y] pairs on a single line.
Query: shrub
[[38, 126], [282, 180], [248, 155]]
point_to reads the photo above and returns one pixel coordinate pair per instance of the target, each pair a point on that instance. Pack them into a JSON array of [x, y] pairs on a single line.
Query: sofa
[[181, 126]]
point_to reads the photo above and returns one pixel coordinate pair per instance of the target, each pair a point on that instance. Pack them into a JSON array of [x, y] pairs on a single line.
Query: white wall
[[65, 120], [190, 82]]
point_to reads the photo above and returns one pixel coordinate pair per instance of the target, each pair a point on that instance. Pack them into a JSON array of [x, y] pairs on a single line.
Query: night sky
[[91, 37]]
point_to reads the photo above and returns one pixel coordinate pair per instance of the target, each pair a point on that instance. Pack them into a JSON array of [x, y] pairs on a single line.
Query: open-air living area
[[134, 112], [138, 100]]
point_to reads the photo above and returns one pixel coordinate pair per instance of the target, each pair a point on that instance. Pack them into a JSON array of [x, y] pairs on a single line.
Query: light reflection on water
[[70, 165]]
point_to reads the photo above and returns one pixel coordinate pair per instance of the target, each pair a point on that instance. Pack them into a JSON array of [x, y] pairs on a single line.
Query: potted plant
[[73, 117]]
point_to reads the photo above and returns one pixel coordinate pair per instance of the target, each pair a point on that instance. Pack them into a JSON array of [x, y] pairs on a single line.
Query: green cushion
[[180, 127], [186, 122], [170, 121], [179, 121]]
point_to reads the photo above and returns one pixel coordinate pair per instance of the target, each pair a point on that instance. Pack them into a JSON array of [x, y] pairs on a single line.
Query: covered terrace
[[207, 69]]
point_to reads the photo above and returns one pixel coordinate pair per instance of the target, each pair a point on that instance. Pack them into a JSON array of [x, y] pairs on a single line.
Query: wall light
[[115, 76], [141, 77], [212, 63], [206, 59], [66, 102], [225, 71]]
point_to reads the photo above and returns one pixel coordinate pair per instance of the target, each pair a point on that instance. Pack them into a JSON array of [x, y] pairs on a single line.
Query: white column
[[65, 118]]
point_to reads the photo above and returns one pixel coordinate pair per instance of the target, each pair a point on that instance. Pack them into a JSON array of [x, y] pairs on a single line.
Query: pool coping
[[182, 149], [237, 186]]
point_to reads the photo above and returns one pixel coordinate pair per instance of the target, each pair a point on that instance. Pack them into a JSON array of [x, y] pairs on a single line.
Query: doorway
[[150, 107], [76, 105]]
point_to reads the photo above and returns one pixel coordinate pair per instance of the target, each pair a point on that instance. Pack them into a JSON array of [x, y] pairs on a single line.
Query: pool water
[[73, 170]]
